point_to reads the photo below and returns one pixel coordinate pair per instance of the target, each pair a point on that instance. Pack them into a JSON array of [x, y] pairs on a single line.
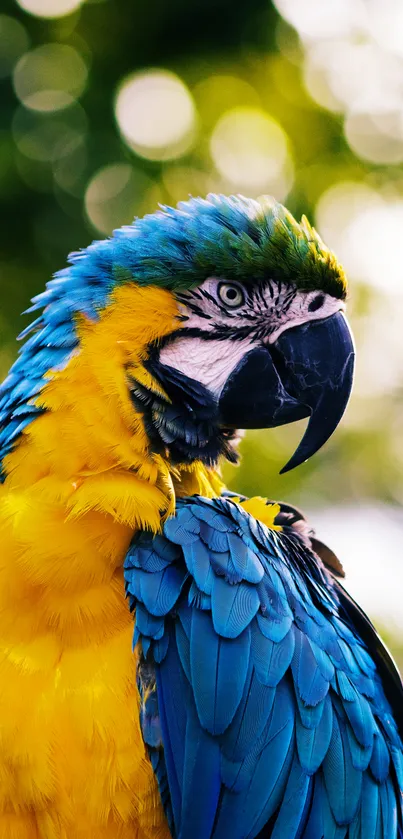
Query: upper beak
[[318, 369], [308, 371]]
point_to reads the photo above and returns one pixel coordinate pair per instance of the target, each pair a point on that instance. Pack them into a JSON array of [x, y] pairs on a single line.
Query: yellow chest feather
[[72, 760]]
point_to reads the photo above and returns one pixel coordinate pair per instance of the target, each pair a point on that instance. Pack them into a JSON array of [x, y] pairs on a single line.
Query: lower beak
[[308, 371]]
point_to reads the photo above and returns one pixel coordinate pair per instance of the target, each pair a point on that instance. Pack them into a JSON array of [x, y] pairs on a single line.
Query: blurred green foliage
[[394, 644]]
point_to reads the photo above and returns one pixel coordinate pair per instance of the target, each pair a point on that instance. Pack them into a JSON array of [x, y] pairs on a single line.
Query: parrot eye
[[231, 294]]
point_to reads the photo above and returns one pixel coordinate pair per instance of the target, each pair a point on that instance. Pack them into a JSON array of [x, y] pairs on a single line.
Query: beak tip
[[327, 407], [292, 463]]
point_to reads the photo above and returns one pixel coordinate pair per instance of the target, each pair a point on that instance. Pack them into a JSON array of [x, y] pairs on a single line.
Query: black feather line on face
[[288, 300], [261, 296], [250, 292], [184, 332], [196, 310]]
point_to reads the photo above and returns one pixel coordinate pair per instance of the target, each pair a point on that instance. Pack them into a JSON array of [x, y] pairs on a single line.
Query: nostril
[[316, 303]]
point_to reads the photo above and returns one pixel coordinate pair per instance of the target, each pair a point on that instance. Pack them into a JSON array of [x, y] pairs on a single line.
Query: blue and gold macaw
[[255, 699]]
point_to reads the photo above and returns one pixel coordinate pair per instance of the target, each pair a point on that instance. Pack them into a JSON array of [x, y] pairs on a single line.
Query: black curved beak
[[318, 369], [308, 371]]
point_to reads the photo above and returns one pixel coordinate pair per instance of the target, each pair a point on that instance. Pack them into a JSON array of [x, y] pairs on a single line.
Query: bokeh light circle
[[117, 193], [321, 19], [50, 77], [385, 20], [359, 76], [49, 136], [320, 62], [182, 181], [156, 115], [14, 42], [363, 227], [50, 8], [250, 150], [216, 94], [377, 136]]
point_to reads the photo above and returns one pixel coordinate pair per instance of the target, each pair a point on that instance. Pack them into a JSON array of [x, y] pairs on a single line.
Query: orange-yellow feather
[[79, 482]]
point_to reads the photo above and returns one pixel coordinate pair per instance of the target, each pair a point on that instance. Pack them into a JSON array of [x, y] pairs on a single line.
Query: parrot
[[178, 660]]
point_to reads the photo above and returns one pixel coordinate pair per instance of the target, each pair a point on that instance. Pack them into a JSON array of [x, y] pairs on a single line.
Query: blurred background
[[111, 106]]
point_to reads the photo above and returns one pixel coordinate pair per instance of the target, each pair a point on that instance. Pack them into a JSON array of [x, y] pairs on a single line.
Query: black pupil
[[232, 293], [316, 303]]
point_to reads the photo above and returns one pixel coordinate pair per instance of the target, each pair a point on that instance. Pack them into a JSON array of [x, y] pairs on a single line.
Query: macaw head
[[223, 314]]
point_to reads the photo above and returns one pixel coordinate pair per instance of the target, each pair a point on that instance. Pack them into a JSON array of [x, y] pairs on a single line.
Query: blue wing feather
[[321, 823], [201, 780], [274, 627], [183, 645], [360, 755], [174, 695], [198, 562], [343, 781], [269, 708], [233, 607], [370, 803], [389, 808], [250, 718], [271, 659], [295, 803], [380, 759], [310, 683], [218, 679], [268, 771], [244, 559], [313, 743], [174, 782], [361, 718]]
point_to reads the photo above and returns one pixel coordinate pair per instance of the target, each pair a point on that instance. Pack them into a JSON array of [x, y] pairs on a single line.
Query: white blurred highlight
[[368, 541], [315, 19], [385, 22], [156, 114], [251, 151], [364, 228], [116, 194], [50, 8], [50, 77], [354, 65]]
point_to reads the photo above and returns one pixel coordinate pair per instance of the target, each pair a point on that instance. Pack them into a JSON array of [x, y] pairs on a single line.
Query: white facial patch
[[260, 314], [209, 362]]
